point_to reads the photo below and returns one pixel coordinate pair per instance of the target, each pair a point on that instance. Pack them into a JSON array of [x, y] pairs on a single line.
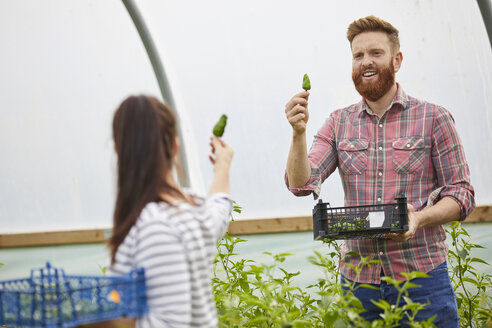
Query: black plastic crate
[[50, 298], [356, 222]]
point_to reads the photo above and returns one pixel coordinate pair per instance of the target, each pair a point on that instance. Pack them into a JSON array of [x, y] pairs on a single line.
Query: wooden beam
[[53, 238], [238, 227], [257, 226], [480, 214]]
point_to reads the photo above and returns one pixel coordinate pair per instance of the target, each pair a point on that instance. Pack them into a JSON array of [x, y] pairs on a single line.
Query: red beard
[[373, 91]]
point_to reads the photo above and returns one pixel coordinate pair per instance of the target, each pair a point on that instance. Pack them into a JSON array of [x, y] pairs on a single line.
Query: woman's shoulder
[[169, 214], [200, 199], [174, 215], [156, 214], [197, 198]]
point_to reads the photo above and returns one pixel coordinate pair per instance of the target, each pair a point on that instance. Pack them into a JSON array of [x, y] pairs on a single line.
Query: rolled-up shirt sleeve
[[452, 171], [322, 158]]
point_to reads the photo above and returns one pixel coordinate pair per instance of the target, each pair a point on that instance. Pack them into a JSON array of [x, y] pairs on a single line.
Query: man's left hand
[[413, 225]]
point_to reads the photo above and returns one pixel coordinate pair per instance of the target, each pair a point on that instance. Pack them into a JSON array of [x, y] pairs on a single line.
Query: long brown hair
[[144, 130]]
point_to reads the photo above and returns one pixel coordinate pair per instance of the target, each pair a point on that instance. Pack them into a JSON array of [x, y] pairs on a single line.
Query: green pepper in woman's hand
[[306, 84], [218, 130]]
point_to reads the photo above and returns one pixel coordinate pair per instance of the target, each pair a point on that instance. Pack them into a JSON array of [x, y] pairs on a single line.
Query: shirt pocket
[[352, 155], [408, 154]]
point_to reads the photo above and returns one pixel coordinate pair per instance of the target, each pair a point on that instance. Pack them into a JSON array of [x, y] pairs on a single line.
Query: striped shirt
[[412, 150], [176, 245]]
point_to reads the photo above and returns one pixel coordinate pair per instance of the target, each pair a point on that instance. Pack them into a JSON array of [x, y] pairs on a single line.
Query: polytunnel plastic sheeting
[[65, 69], [251, 62], [66, 66], [91, 258]]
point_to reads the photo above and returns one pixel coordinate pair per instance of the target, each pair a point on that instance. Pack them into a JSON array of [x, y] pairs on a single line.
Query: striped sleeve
[[217, 214]]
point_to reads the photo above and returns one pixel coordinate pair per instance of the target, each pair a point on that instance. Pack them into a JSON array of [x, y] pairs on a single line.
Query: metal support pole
[[486, 10], [131, 7]]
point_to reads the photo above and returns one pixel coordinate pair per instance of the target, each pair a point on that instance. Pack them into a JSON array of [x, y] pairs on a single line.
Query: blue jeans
[[436, 289]]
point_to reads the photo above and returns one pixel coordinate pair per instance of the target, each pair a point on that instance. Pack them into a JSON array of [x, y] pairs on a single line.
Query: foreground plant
[[471, 287], [345, 308], [249, 294]]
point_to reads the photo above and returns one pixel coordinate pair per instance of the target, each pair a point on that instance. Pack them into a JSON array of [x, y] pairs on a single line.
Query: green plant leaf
[[330, 317], [368, 286], [475, 259], [103, 269], [352, 254], [244, 285], [284, 254], [470, 280], [409, 285], [339, 323]]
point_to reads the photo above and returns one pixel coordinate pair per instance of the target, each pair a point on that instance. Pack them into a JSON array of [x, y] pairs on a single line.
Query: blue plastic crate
[[50, 298]]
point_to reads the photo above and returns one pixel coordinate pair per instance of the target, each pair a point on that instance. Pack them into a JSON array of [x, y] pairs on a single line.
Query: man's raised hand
[[296, 111]]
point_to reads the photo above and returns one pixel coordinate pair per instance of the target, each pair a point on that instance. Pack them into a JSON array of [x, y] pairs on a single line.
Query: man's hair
[[374, 24]]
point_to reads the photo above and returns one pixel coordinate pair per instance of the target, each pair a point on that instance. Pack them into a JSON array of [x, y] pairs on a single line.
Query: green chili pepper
[[306, 84], [218, 130]]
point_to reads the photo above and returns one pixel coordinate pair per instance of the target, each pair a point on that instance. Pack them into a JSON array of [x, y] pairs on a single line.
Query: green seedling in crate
[[347, 226], [360, 223], [357, 224]]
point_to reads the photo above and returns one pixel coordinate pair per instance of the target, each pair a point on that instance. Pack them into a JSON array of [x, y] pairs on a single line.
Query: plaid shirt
[[412, 150]]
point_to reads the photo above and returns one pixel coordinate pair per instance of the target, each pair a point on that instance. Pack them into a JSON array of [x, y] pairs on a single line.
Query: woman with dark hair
[[169, 231]]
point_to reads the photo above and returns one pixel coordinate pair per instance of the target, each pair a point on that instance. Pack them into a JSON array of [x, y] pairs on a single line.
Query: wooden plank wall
[[239, 227]]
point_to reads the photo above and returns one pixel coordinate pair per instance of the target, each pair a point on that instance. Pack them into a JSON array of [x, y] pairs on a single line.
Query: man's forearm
[[444, 211], [298, 167]]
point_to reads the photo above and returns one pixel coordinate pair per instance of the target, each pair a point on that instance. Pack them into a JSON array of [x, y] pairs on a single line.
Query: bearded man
[[389, 144]]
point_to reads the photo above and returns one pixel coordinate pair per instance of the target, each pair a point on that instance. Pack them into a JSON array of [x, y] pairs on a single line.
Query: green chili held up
[[306, 84], [219, 128]]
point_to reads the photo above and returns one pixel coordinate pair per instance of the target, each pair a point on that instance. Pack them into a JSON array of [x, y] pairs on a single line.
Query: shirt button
[[352, 146], [381, 253], [380, 148], [380, 173], [380, 125], [379, 199], [408, 145]]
